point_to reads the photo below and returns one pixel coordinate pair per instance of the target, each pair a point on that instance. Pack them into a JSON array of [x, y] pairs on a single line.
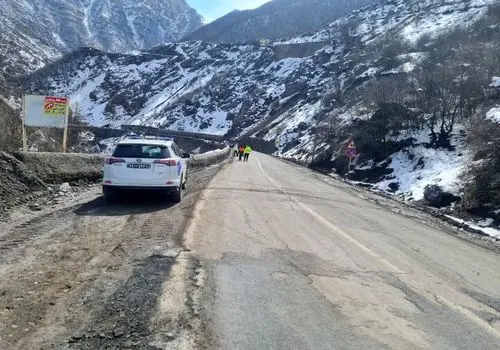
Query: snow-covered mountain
[[277, 19], [34, 32], [223, 88]]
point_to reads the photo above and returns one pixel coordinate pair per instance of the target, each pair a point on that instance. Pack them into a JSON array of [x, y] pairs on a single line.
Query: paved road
[[293, 262]]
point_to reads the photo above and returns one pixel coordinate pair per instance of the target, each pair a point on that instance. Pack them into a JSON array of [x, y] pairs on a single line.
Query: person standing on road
[[242, 150], [235, 150], [247, 152]]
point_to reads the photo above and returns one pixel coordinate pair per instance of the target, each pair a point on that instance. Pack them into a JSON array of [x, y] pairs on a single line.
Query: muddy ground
[[92, 275]]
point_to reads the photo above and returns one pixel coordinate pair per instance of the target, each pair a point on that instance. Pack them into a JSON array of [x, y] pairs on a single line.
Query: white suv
[[142, 162]]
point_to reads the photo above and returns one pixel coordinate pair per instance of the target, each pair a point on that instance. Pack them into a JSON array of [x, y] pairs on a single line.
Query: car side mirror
[[186, 155]]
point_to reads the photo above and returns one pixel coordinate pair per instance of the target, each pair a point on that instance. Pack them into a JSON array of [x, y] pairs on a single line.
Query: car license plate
[[139, 166]]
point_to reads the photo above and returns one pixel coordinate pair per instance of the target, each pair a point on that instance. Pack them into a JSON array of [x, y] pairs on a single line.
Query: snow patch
[[109, 145], [81, 97], [418, 166], [495, 82], [490, 231], [416, 57], [215, 123], [494, 115], [284, 67], [370, 72], [446, 18]]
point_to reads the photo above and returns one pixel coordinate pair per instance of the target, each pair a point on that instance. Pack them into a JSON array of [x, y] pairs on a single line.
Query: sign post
[[25, 137], [65, 132], [47, 112], [351, 153]]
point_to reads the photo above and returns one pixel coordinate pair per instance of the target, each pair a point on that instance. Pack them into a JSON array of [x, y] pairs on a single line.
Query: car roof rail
[[134, 136], [154, 137]]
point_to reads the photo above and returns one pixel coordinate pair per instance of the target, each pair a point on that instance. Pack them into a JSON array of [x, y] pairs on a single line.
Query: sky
[[213, 9]]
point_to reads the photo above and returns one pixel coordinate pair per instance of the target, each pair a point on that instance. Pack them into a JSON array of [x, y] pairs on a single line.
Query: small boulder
[[119, 332], [65, 187], [351, 175], [35, 207], [435, 196], [394, 187]]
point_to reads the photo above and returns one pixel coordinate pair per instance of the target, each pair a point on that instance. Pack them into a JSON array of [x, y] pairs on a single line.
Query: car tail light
[[113, 160], [167, 162]]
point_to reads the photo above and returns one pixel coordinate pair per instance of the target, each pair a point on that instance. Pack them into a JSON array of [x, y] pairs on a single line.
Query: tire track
[[89, 276]]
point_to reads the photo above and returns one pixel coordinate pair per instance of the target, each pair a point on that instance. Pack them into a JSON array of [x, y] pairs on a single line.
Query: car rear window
[[141, 151]]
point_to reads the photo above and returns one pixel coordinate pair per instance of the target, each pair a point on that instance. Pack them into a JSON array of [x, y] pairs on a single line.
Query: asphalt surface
[[291, 260]]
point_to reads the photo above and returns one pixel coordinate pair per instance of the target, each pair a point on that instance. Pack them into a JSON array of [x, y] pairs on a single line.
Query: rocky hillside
[[272, 91], [277, 19], [33, 33]]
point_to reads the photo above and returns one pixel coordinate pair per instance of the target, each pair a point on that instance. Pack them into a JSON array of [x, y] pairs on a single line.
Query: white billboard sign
[[46, 111]]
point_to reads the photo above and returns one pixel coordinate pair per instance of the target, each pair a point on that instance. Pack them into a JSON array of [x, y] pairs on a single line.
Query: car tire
[[109, 195], [177, 197]]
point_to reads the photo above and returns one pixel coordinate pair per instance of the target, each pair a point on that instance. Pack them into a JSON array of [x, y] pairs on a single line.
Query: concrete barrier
[[199, 160]]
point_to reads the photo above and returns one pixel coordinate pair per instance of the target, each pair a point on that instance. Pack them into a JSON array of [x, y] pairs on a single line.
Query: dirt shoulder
[[35, 178], [85, 274]]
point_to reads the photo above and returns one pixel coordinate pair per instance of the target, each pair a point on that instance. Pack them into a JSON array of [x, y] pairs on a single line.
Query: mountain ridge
[[133, 88], [35, 33], [277, 19]]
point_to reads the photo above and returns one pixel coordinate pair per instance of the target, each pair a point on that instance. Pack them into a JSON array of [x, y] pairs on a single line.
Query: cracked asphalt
[[293, 260]]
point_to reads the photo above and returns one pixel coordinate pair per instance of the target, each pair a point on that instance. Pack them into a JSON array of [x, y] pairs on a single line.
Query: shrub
[[482, 192], [377, 137]]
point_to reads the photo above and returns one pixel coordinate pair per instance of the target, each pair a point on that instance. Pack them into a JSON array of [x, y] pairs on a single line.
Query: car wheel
[[178, 195], [109, 195]]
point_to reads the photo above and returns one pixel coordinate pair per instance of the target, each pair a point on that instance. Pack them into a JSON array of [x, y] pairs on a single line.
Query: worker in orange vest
[[241, 151]]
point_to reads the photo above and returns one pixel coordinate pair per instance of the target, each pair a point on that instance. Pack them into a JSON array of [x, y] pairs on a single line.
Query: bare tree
[[395, 88], [447, 95]]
